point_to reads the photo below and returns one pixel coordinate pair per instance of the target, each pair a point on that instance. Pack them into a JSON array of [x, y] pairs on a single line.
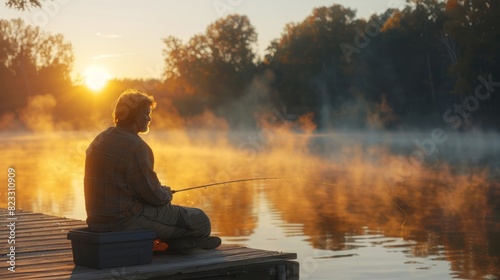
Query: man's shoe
[[210, 242]]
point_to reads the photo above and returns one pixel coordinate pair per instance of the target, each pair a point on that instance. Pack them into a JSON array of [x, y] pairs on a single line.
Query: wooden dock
[[42, 251]]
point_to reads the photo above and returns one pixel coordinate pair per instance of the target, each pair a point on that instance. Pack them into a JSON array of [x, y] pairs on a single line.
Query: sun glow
[[96, 77]]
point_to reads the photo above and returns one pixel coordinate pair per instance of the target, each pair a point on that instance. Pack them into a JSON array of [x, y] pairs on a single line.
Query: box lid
[[86, 235]]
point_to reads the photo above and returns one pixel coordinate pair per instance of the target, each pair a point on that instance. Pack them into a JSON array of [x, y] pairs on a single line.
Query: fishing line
[[406, 218]]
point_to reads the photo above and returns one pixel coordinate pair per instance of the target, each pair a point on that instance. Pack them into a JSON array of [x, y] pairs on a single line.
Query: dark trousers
[[174, 223]]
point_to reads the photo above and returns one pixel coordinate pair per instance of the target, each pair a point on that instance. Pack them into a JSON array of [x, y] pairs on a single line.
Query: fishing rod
[[252, 179], [279, 178]]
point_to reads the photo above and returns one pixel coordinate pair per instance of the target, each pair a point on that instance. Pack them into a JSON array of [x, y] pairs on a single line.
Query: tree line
[[430, 63]]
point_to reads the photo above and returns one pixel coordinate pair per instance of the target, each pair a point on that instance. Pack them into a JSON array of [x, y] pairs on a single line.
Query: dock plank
[[44, 252]]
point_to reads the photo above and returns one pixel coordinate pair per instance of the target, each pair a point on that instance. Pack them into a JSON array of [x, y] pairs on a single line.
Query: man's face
[[143, 120]]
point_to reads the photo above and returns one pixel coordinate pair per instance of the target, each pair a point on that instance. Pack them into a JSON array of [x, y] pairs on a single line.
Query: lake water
[[367, 205]]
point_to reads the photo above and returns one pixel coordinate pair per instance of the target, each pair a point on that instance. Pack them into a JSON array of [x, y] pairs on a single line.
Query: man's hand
[[169, 192]]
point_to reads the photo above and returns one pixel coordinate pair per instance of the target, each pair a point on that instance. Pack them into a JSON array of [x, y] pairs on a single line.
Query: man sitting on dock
[[122, 191]]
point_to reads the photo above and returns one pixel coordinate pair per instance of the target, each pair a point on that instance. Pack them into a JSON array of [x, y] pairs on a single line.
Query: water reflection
[[433, 220]]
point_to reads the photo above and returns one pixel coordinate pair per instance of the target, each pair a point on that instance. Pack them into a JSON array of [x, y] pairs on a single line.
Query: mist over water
[[429, 215]]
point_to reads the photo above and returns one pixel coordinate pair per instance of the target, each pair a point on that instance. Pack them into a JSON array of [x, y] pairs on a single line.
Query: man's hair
[[129, 104]]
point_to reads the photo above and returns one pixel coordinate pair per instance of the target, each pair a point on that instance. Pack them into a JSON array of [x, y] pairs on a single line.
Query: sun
[[96, 77]]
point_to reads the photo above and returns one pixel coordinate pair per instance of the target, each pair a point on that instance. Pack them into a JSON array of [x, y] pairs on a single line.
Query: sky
[[125, 36]]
